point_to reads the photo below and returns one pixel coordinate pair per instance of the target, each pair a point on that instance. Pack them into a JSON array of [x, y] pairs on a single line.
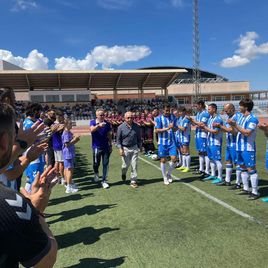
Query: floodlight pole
[[196, 53]]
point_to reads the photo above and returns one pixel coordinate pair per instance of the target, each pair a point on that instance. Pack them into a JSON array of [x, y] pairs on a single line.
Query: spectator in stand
[[68, 150], [101, 133], [25, 236]]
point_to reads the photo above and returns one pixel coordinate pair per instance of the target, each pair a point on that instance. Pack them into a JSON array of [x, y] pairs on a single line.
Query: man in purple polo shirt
[[101, 133], [57, 147]]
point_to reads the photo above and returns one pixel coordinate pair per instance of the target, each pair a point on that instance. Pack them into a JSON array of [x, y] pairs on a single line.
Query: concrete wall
[[178, 90], [209, 88]]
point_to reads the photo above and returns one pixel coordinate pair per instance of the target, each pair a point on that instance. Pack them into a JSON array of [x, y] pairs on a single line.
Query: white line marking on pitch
[[216, 200]]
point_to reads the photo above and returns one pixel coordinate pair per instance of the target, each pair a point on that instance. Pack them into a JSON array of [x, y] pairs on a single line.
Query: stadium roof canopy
[[92, 79], [187, 77]]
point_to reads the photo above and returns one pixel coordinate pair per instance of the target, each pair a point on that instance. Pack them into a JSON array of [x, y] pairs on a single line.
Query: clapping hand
[[263, 126], [216, 125], [231, 122], [30, 135], [36, 150], [102, 124], [201, 125], [171, 125], [41, 189]]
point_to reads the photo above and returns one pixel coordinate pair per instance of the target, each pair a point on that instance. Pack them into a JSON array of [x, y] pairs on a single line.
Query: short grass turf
[[156, 225]]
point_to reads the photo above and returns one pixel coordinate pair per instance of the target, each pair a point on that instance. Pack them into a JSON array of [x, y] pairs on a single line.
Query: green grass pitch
[[156, 225]]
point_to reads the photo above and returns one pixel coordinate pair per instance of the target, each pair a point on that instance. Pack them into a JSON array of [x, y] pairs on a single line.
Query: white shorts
[[58, 156]]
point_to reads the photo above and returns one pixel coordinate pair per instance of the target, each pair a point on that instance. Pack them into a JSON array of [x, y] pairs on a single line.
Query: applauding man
[[101, 132], [246, 126], [165, 125]]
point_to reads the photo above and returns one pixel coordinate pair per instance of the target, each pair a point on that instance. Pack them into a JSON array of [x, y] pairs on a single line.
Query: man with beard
[[201, 118], [164, 127], [49, 121], [246, 128]]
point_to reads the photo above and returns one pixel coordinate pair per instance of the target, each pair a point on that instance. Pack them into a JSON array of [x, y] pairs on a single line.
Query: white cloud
[[101, 56], [118, 55], [247, 51], [24, 5], [104, 56], [115, 4], [34, 61], [70, 63]]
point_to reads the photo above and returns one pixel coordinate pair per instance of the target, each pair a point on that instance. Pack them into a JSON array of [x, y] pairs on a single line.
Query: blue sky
[[130, 34]]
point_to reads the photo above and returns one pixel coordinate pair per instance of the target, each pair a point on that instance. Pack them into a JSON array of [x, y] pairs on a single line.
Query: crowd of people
[[43, 146]]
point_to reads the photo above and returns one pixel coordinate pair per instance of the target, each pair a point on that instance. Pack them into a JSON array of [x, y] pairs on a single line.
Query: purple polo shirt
[[100, 136], [68, 151], [57, 141]]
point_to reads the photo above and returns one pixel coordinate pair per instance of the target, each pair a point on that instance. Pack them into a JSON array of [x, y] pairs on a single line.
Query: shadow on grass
[[189, 179], [74, 213], [194, 161], [67, 198], [263, 190], [82, 167], [143, 182], [87, 236], [98, 263]]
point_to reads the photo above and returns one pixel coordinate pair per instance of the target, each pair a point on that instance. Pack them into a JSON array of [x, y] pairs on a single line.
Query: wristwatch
[[23, 144]]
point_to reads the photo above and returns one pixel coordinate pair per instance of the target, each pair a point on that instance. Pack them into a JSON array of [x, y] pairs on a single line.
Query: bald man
[[129, 145], [230, 154]]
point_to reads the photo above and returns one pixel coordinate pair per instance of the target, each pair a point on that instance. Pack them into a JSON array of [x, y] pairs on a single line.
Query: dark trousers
[[99, 155], [50, 157]]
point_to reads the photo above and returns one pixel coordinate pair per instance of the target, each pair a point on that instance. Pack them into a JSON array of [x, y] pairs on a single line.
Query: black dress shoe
[[224, 183], [198, 172], [253, 196], [244, 192], [235, 187]]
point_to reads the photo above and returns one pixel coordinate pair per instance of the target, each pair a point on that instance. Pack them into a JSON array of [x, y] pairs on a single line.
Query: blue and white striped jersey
[[186, 134], [202, 116], [12, 184], [27, 124], [167, 137], [230, 137], [244, 143], [214, 139], [178, 132]]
